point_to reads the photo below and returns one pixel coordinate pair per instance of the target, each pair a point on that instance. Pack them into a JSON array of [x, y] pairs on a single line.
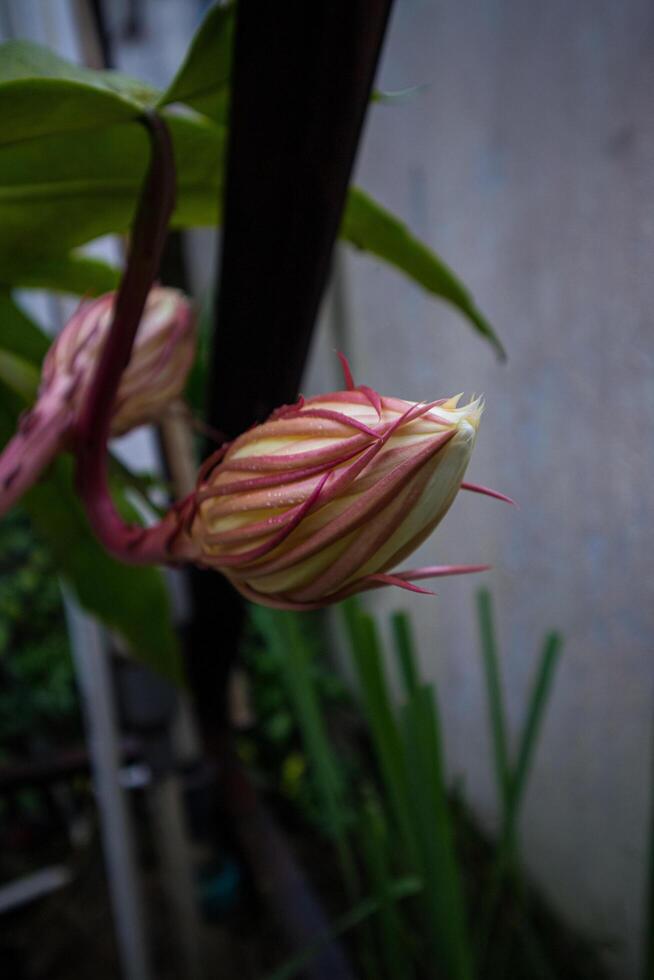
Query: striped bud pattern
[[326, 497], [158, 367], [155, 375]]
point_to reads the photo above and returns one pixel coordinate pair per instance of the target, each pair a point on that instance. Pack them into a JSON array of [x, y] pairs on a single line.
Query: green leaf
[[377, 848], [72, 273], [19, 375], [283, 632], [495, 699], [370, 227], [52, 201], [42, 94], [439, 866], [386, 737], [536, 704], [92, 191], [407, 659], [202, 82]]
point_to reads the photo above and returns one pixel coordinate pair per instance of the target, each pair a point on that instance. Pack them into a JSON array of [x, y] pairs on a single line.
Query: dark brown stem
[[156, 203]]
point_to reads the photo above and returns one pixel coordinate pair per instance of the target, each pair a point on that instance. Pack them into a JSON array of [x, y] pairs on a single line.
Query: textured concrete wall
[[528, 163]]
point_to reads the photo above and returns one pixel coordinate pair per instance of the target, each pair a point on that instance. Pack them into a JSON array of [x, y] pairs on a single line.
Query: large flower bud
[[326, 497], [155, 375], [158, 367]]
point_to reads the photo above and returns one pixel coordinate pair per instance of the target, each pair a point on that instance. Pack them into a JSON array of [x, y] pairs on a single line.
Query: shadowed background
[[527, 161]]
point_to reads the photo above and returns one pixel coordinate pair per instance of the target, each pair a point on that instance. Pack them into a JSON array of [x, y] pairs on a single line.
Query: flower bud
[[326, 497], [155, 375], [158, 367]]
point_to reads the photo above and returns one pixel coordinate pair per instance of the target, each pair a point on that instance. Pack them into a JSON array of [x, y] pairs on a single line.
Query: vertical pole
[[94, 677], [302, 79]]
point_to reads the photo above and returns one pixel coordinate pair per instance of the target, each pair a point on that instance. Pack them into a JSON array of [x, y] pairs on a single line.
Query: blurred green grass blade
[[494, 698], [386, 739], [536, 708], [405, 652], [376, 851], [443, 892], [400, 889], [367, 225], [283, 630], [506, 854]]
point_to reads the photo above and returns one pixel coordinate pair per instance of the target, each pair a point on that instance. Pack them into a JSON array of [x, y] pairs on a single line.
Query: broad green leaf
[[52, 201], [43, 94], [43, 187], [202, 81], [370, 227]]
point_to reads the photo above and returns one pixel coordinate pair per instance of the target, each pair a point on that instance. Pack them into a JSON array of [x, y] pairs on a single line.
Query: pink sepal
[[487, 492]]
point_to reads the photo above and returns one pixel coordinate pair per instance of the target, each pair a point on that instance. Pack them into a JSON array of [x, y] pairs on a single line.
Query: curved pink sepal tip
[[347, 373], [487, 492]]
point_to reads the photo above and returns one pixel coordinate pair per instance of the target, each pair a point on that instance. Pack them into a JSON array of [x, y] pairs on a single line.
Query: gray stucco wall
[[528, 163]]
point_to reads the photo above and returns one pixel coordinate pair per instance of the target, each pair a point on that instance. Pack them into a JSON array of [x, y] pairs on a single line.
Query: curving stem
[[157, 199]]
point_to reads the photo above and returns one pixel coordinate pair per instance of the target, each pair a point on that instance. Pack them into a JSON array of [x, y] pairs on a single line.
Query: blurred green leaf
[[42, 94], [19, 375], [377, 849], [495, 700], [19, 334], [407, 658], [77, 274], [202, 81], [368, 226], [283, 632], [439, 861], [87, 187]]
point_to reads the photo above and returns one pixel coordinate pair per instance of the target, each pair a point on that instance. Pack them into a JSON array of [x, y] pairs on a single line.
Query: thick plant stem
[[129, 542]]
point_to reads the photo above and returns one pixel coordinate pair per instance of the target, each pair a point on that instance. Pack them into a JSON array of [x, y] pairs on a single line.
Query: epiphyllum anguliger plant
[[321, 501]]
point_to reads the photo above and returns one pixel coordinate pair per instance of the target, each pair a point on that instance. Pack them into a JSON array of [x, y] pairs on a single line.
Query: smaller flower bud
[[158, 367], [326, 497], [155, 375]]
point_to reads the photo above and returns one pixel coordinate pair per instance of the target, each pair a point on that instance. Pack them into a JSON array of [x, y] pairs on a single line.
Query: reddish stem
[[157, 199]]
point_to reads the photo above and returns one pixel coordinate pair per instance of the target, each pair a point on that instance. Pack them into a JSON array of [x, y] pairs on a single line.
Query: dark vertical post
[[303, 75], [302, 78]]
